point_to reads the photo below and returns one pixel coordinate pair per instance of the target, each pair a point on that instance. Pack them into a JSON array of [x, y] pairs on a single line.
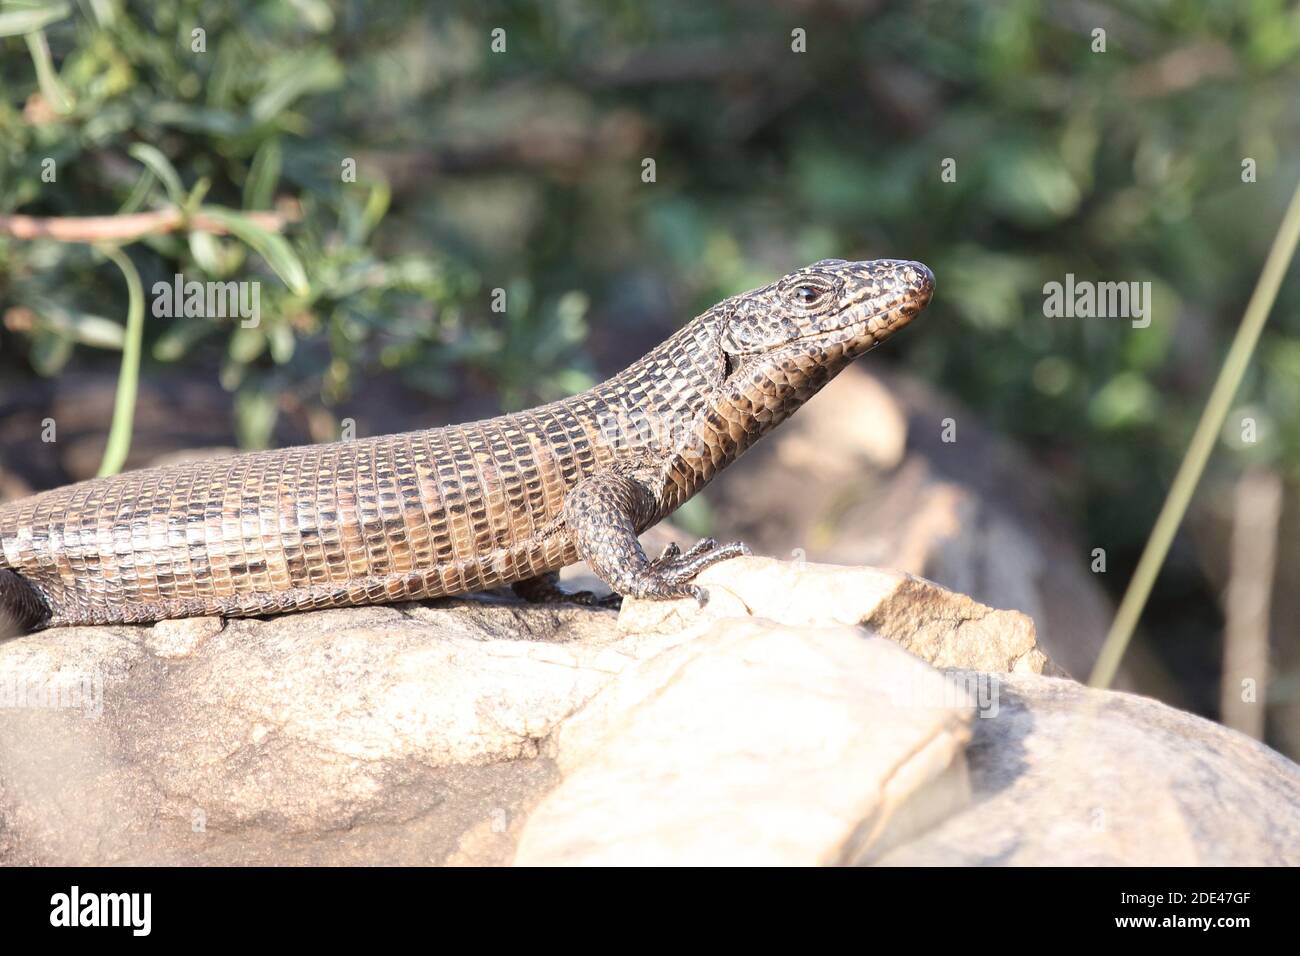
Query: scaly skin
[[509, 500]]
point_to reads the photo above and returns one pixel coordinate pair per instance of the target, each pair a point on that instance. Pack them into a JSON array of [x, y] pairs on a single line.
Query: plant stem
[[1202, 444], [128, 381]]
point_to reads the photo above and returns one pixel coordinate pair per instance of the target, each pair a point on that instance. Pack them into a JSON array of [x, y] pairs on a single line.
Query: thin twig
[[126, 228]]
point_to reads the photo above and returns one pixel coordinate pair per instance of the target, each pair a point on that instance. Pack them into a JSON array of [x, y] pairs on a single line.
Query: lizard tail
[[22, 608]]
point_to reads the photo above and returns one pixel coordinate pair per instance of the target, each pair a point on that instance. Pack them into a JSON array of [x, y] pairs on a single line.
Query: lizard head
[[834, 306], [766, 352]]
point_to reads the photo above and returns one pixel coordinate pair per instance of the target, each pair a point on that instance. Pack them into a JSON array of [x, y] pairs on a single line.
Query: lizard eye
[[808, 291]]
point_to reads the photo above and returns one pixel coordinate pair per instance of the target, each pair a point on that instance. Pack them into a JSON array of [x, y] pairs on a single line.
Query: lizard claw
[[670, 575], [668, 556]]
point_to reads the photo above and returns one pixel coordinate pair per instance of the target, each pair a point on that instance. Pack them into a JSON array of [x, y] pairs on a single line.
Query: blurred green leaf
[[256, 411], [264, 175], [206, 250], [17, 18], [246, 344], [197, 119], [1030, 184], [277, 252], [139, 193], [50, 352], [1126, 401], [279, 338], [315, 14], [180, 336], [293, 75], [51, 87], [82, 328], [160, 166]]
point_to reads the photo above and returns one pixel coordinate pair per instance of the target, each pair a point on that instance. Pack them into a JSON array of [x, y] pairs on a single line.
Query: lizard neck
[[682, 410], [742, 408], [647, 411]]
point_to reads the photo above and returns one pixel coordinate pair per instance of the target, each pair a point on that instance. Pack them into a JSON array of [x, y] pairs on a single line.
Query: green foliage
[[522, 171], [137, 112]]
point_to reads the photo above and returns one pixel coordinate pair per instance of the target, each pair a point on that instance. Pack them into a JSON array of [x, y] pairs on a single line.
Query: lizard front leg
[[605, 512]]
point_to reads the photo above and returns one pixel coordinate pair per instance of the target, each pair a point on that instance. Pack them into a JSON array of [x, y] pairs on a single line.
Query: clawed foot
[[670, 574]]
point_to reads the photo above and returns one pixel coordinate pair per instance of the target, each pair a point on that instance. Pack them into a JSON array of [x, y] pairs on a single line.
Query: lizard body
[[444, 511]]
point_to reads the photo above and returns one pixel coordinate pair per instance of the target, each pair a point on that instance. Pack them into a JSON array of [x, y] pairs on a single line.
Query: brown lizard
[[509, 500]]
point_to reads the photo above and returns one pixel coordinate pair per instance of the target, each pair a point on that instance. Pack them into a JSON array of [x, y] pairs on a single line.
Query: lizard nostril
[[920, 280]]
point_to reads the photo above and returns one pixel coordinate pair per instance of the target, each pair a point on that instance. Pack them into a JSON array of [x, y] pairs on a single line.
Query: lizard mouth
[[869, 331], [879, 324]]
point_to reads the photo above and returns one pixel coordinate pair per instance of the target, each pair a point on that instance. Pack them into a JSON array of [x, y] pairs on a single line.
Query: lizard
[[445, 511]]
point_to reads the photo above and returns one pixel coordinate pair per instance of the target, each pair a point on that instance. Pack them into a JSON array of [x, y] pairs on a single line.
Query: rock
[[750, 744], [407, 734], [798, 718], [1064, 775], [974, 515], [938, 626], [349, 736]]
